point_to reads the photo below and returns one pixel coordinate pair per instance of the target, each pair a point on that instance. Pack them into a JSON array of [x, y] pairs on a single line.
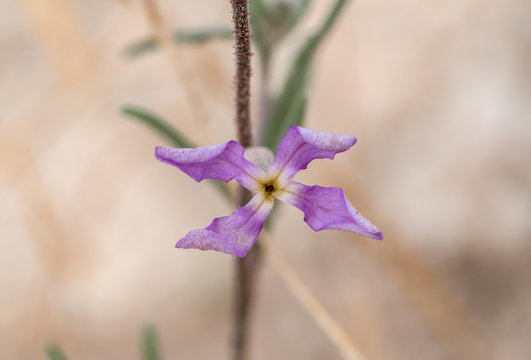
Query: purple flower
[[323, 207]]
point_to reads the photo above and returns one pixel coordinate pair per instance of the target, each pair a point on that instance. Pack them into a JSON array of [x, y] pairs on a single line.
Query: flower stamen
[[269, 188]]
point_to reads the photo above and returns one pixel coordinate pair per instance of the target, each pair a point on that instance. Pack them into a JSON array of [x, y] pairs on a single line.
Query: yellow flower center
[[269, 187]]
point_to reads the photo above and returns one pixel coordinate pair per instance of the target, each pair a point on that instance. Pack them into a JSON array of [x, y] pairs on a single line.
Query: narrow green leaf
[[271, 22], [297, 109], [260, 9], [300, 8], [159, 125], [54, 352], [149, 344], [283, 16], [180, 36], [175, 137], [203, 35], [287, 109]]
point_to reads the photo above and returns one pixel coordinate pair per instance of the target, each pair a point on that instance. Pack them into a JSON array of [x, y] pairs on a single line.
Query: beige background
[[438, 94]]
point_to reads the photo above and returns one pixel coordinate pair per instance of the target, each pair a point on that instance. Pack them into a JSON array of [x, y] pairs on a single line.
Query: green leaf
[[176, 138], [283, 16], [300, 8], [180, 36], [297, 110], [271, 22], [159, 125], [149, 344], [290, 105], [54, 352]]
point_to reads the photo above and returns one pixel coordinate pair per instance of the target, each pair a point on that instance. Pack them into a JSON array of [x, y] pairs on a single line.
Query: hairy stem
[[246, 268], [246, 274], [242, 36]]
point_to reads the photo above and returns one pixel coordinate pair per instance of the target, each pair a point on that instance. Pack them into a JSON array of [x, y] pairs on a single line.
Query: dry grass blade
[[163, 36], [309, 301], [452, 323]]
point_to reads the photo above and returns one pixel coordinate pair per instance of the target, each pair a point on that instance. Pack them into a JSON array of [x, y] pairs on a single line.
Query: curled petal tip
[[378, 236], [326, 140], [208, 240], [204, 239], [157, 152]]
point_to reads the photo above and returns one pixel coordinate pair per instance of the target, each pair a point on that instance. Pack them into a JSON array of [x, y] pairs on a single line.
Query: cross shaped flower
[[323, 207]]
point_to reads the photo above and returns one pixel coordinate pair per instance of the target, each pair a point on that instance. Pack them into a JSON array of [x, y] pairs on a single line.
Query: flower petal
[[300, 146], [328, 208], [223, 162], [234, 234]]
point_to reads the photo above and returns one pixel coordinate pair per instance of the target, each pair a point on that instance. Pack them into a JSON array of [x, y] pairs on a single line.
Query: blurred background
[[438, 94]]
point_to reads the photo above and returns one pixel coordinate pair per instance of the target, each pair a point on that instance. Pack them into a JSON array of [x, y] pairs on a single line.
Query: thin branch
[[310, 302], [163, 36], [242, 35]]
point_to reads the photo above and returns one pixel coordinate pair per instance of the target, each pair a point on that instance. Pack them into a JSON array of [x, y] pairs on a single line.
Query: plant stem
[[242, 36], [246, 268], [246, 274]]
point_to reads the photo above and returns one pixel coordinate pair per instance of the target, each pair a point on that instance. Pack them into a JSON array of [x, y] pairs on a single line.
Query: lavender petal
[[300, 146], [223, 162], [328, 208], [234, 234]]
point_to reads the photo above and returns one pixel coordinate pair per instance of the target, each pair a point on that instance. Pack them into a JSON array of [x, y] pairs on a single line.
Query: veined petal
[[328, 208], [223, 162], [234, 234], [300, 146]]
